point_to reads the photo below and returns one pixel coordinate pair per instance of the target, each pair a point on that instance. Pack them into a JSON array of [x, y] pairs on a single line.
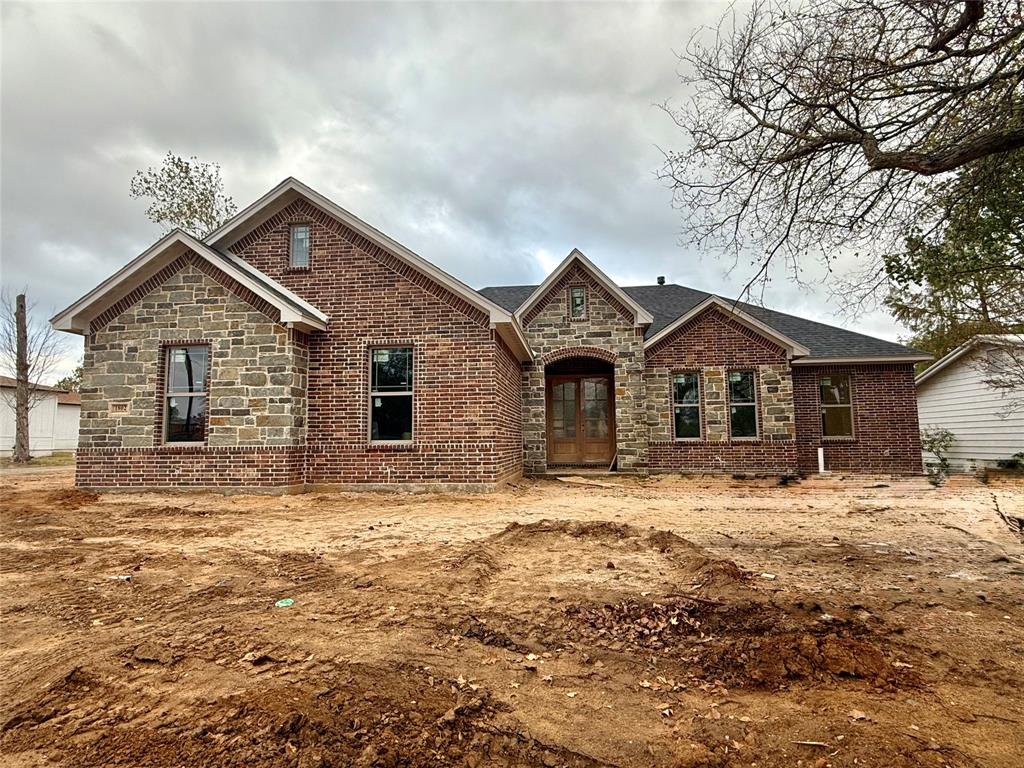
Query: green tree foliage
[[72, 382], [184, 194], [968, 278]]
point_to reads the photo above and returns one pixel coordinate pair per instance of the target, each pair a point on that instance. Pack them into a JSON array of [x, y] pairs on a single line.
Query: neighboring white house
[[952, 394], [52, 421]]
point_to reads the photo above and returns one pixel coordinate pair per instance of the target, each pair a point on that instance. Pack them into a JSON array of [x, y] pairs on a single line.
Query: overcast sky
[[490, 139]]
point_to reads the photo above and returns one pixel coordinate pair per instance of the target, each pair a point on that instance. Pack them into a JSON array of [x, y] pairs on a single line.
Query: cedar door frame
[[578, 379]]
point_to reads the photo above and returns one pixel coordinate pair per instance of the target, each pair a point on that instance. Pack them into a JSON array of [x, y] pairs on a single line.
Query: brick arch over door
[[565, 353]]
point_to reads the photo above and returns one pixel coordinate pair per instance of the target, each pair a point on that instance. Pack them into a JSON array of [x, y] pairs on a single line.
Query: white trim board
[[641, 316], [78, 317]]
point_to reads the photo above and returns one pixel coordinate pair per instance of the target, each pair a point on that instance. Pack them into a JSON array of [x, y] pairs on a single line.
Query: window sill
[[391, 445], [849, 439], [291, 269], [182, 445]]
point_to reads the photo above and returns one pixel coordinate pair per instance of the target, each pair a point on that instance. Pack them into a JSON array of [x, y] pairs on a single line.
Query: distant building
[[52, 420], [952, 394]]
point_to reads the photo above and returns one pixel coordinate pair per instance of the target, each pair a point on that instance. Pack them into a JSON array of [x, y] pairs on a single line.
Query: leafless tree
[[814, 127], [31, 351], [1002, 370]]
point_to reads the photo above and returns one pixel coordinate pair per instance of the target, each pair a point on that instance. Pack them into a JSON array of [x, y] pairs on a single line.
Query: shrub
[[937, 441]]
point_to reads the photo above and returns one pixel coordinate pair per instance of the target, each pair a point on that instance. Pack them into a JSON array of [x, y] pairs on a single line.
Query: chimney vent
[[661, 279]]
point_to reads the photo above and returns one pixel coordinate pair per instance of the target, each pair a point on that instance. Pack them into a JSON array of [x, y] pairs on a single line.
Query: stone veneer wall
[[608, 326], [712, 345], [256, 406]]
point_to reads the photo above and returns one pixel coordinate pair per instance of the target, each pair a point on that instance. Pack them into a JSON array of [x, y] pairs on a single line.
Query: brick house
[[296, 346]]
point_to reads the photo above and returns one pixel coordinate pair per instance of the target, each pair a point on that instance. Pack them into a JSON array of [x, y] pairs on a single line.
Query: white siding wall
[[65, 428], [957, 399], [41, 421]]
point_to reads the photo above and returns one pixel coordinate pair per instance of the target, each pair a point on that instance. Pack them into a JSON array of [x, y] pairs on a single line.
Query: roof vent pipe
[[661, 279]]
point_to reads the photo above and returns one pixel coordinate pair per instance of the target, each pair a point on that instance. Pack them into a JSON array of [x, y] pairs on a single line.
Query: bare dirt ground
[[551, 624]]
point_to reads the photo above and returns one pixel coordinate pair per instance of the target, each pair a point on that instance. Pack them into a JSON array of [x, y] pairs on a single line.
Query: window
[[185, 395], [836, 406], [391, 394], [686, 405], [742, 405], [577, 302], [300, 246]]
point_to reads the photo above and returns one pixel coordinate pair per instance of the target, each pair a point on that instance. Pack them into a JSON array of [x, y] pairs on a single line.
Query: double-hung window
[[742, 404], [185, 394], [298, 249], [391, 394], [577, 302], [686, 405], [836, 406]]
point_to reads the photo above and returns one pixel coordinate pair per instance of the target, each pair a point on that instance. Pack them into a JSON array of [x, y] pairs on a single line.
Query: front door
[[581, 419]]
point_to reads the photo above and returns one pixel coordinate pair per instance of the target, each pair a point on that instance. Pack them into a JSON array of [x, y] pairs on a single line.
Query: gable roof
[[981, 340], [640, 315], [792, 347], [291, 189], [825, 343], [294, 310]]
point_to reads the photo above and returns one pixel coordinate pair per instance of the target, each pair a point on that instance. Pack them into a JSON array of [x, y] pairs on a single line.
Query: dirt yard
[[661, 622]]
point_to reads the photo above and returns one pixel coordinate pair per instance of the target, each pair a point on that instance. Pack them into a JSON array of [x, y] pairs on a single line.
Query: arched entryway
[[580, 397]]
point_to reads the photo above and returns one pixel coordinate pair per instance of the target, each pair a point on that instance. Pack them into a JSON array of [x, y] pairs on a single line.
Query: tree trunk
[[21, 454]]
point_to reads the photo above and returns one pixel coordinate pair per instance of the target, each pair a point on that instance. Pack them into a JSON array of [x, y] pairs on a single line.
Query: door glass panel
[[595, 408], [563, 410]]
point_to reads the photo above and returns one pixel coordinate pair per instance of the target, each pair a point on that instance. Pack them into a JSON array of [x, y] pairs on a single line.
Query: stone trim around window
[[159, 427]]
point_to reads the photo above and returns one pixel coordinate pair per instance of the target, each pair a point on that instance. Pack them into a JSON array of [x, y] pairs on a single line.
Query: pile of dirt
[[367, 718], [771, 660]]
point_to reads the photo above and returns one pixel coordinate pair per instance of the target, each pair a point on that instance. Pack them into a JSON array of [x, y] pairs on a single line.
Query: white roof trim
[[859, 359], [793, 347], [963, 349], [640, 315], [291, 189], [77, 318]]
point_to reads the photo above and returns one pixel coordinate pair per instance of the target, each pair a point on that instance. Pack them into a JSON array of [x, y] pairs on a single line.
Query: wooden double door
[[581, 419]]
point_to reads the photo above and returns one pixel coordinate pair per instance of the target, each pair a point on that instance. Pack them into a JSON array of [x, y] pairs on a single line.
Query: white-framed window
[[742, 404], [298, 249], [185, 395], [836, 405], [391, 394], [577, 302], [686, 405]]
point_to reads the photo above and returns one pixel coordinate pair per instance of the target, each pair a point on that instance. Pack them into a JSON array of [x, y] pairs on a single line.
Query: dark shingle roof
[[668, 302]]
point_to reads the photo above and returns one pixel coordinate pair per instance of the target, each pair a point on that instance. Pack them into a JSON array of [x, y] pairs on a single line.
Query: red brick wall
[[189, 466], [712, 338], [886, 437], [508, 398], [772, 457], [462, 404]]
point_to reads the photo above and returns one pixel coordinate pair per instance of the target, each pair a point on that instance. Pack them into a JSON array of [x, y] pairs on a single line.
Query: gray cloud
[[489, 138]]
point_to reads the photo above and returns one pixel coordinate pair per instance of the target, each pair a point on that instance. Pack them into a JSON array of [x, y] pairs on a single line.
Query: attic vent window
[[299, 249], [577, 302]]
